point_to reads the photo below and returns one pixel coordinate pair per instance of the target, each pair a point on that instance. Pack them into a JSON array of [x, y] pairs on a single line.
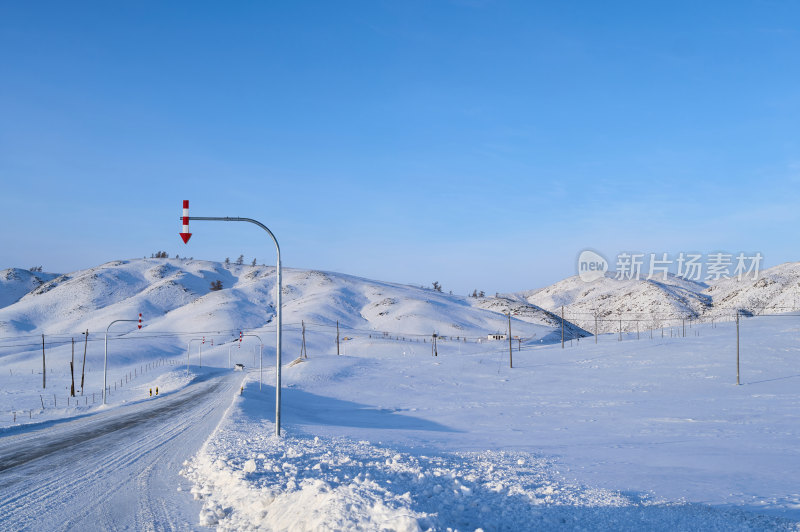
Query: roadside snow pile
[[250, 480]]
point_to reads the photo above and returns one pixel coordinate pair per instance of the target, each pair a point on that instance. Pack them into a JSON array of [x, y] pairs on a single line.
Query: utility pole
[[683, 320], [337, 337], [303, 353], [510, 359], [44, 367], [562, 326], [737, 347], [72, 369], [595, 327], [83, 369], [620, 330]]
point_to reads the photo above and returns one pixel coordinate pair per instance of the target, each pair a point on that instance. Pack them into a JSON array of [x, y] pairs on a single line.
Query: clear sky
[[481, 144]]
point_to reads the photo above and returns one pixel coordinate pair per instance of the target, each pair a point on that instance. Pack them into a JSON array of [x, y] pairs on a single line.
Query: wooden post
[[510, 359], [595, 327], [303, 352], [683, 320], [44, 367], [737, 347], [83, 370], [562, 326], [72, 369], [620, 330], [337, 337], [637, 329]]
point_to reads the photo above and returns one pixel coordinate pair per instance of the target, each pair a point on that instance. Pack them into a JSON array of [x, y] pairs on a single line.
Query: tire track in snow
[[102, 472]]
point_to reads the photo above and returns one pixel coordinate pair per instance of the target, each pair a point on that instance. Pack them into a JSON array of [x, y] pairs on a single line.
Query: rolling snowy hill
[[176, 295], [654, 303], [16, 282], [663, 303], [776, 290]]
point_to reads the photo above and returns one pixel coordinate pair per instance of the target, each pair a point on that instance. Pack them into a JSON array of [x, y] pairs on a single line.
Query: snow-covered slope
[[16, 282], [524, 311], [652, 302], [175, 295], [776, 290]]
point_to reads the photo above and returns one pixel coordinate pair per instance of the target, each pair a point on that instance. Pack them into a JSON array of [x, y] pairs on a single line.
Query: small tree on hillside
[[437, 286], [240, 260], [227, 261], [253, 263], [216, 285]]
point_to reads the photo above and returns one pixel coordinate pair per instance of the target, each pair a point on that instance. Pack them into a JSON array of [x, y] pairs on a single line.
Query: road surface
[[115, 469]]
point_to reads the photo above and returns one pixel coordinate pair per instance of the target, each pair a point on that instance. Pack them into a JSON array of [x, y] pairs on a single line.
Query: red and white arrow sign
[[185, 234]]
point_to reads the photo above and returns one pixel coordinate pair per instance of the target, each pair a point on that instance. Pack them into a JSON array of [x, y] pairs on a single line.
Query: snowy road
[[112, 470]]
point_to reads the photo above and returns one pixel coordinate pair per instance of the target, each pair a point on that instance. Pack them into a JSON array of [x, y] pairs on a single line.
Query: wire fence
[[576, 328]]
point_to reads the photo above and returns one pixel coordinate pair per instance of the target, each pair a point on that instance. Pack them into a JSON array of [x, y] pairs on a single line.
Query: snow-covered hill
[[776, 290], [653, 302], [657, 303], [175, 295], [16, 282]]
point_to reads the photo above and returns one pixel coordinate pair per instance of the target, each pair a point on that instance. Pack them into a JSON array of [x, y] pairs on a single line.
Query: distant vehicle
[[238, 367]]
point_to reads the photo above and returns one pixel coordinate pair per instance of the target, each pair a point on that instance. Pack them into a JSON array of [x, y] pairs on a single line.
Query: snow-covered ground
[[639, 434], [647, 434]]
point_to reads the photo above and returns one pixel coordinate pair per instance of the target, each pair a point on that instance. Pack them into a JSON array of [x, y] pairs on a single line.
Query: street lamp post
[[185, 235], [260, 359], [105, 357], [188, 345]]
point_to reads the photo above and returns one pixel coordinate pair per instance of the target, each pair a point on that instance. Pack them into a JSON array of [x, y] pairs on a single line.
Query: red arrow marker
[[185, 234]]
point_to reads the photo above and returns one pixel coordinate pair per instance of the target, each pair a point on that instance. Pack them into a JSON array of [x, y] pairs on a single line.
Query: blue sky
[[481, 144]]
